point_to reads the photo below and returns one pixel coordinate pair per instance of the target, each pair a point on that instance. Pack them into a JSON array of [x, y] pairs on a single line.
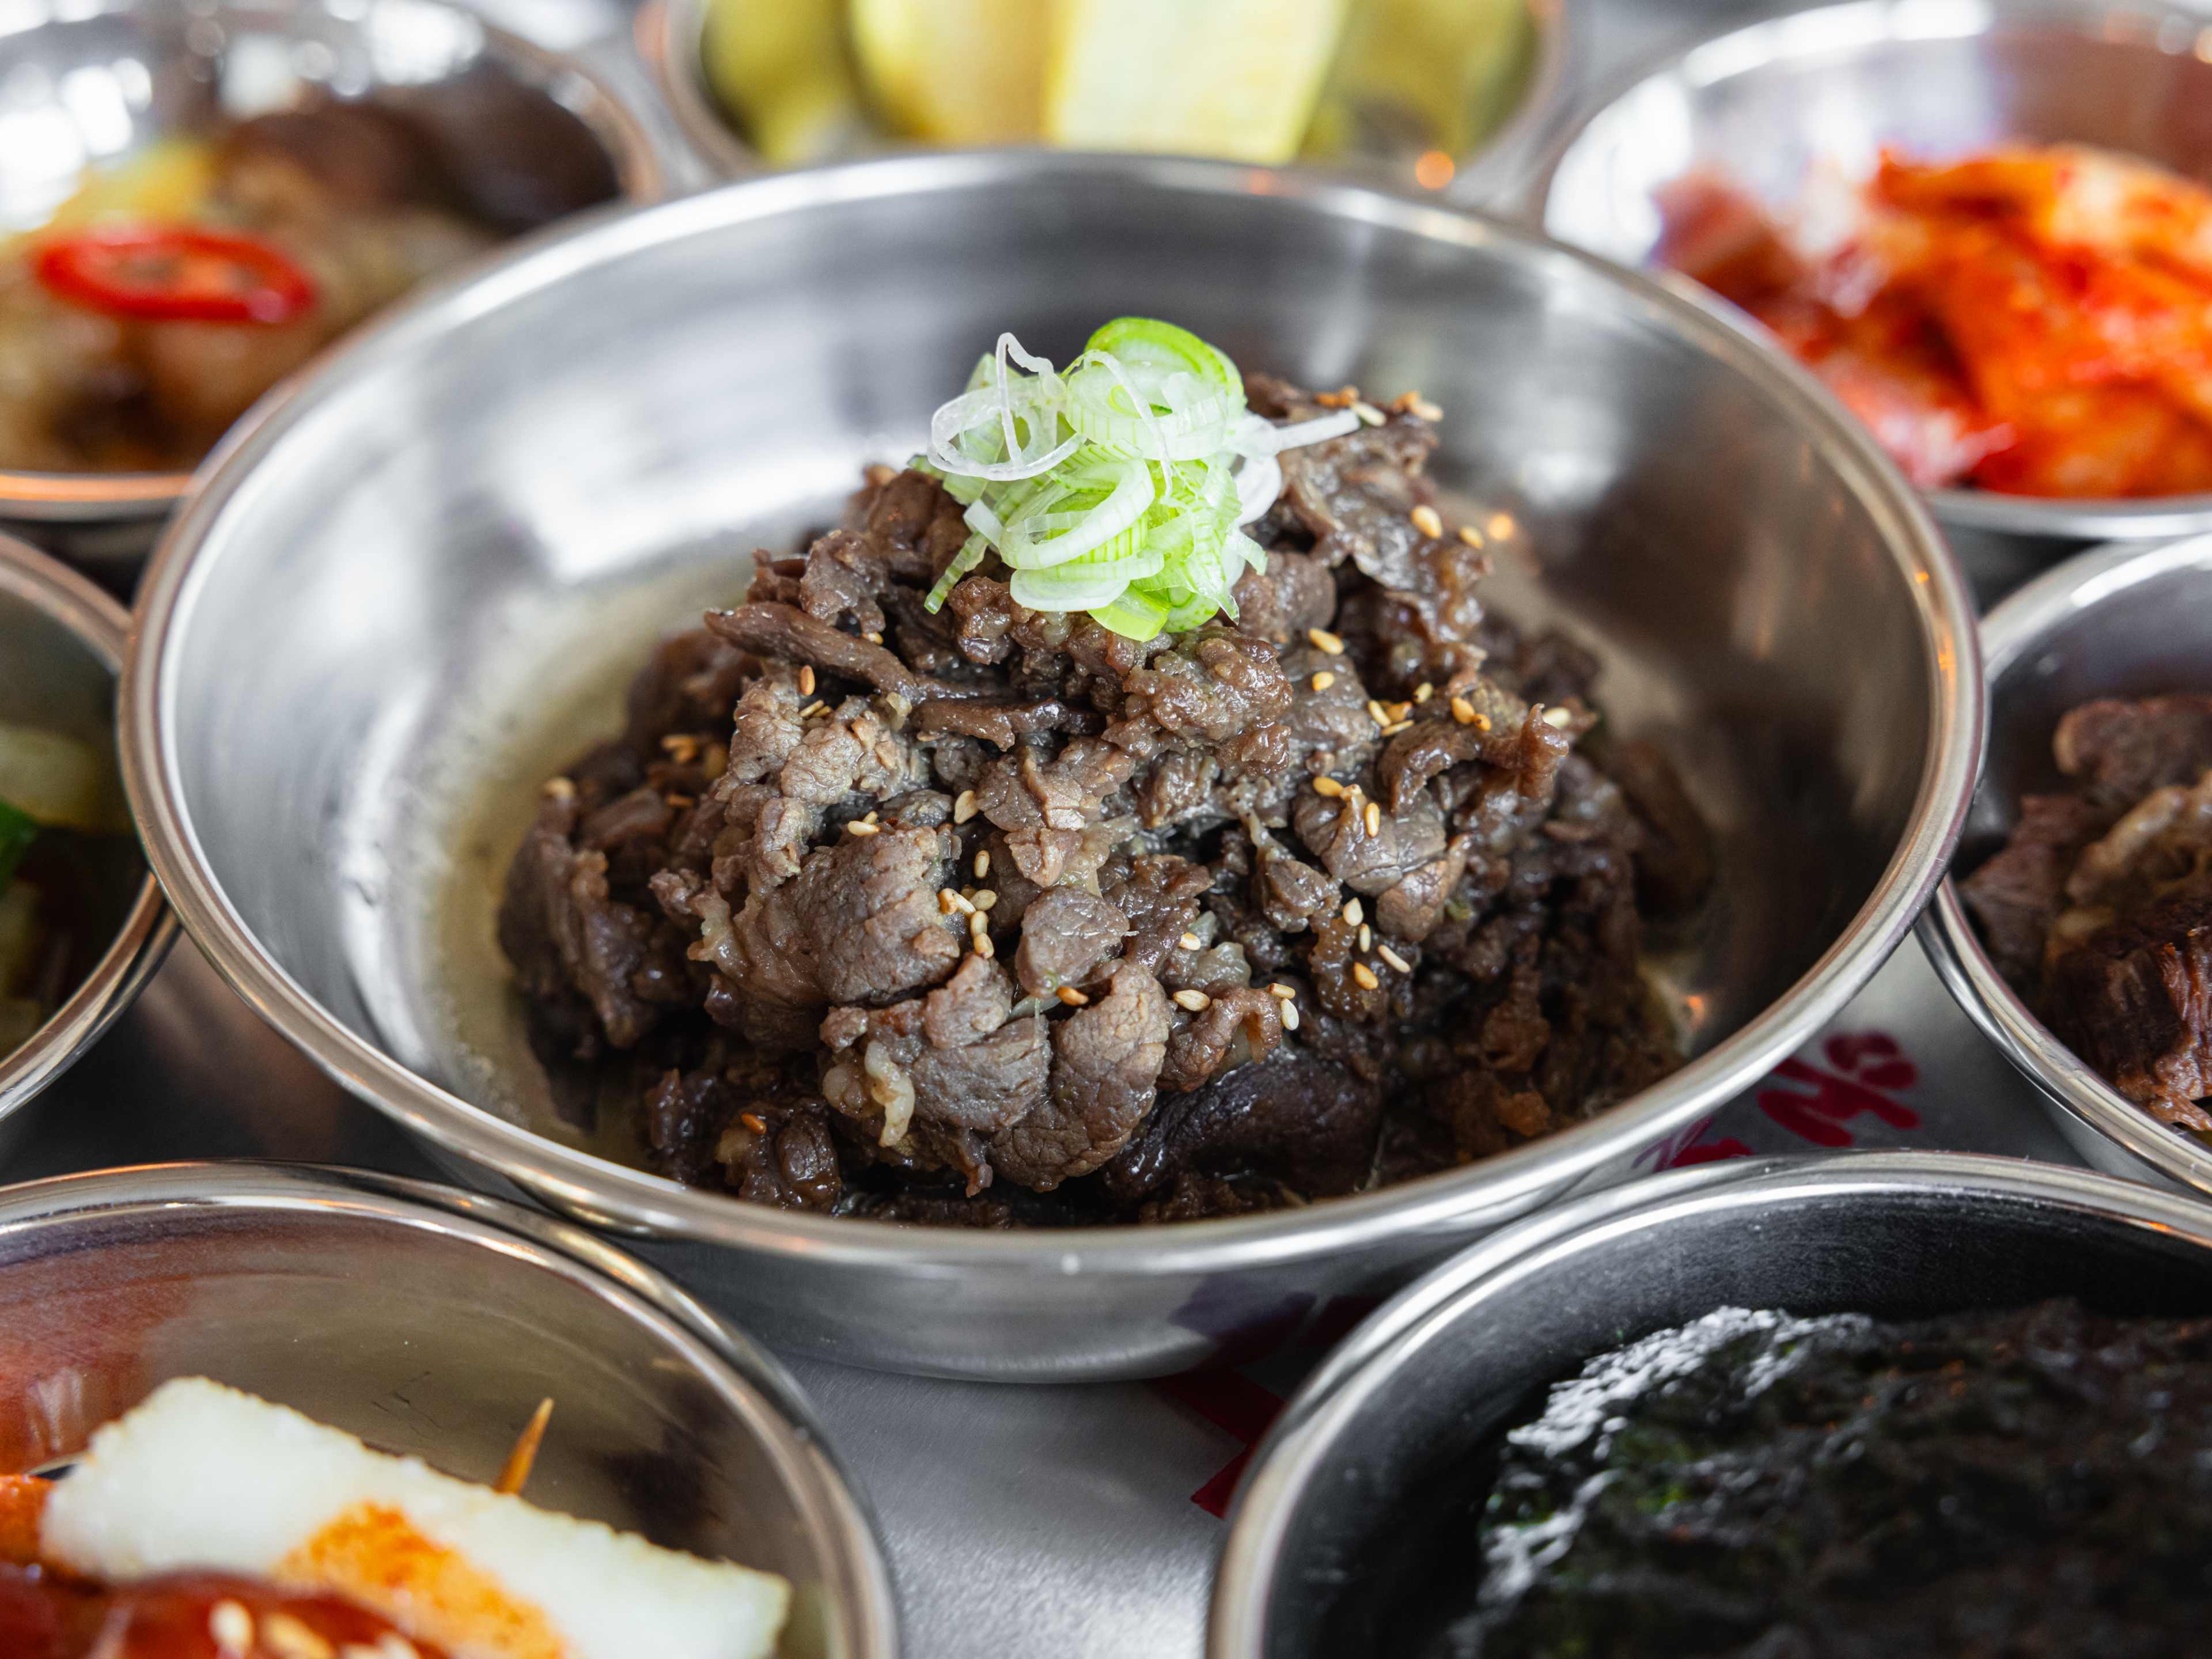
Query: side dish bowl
[[61, 648], [427, 1321], [1317, 1548], [100, 81], [2121, 621], [672, 35], [1766, 104], [405, 593]]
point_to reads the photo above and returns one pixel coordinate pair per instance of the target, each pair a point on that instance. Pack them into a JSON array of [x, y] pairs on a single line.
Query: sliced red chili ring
[[176, 273]]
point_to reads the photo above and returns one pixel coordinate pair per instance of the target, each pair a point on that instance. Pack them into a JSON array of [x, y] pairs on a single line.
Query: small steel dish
[[429, 1322], [96, 81], [410, 592], [671, 33], [61, 649], [1763, 105], [1325, 1543], [2121, 621]]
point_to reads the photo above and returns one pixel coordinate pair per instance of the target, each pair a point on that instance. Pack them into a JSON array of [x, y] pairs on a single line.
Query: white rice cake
[[201, 1476]]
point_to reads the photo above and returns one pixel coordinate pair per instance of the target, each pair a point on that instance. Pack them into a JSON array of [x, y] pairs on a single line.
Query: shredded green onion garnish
[[1120, 489]]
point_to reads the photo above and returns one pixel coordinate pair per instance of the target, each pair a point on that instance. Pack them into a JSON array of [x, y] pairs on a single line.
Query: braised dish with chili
[[209, 1524], [2034, 321], [1129, 811], [2098, 910], [172, 291]]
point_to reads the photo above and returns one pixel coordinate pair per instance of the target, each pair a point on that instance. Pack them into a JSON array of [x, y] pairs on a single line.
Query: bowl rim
[[619, 1196], [79, 498], [746, 1374], [2016, 628], [101, 627], [1362, 1368], [1707, 57], [670, 36]]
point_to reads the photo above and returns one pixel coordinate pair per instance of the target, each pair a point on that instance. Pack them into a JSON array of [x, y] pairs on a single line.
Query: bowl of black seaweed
[[1878, 1403]]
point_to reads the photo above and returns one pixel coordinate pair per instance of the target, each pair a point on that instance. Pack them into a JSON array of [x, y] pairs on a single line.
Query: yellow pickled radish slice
[[780, 69], [168, 180], [954, 71], [61, 782], [1447, 68], [1234, 78]]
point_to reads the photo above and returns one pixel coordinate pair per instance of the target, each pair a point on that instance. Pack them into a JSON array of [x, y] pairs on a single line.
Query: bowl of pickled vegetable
[[82, 926]]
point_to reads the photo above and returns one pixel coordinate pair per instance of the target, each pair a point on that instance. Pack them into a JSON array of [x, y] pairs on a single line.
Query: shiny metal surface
[[1767, 105], [92, 84], [408, 591], [2121, 621], [61, 648], [670, 33], [429, 1321], [1430, 1378]]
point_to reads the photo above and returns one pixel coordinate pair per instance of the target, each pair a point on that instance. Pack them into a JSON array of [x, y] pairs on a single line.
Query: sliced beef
[[1106, 1064], [2019, 893], [2133, 1000], [2121, 752]]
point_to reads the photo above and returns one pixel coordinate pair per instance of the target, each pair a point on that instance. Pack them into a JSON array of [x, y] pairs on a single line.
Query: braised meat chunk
[[901, 899]]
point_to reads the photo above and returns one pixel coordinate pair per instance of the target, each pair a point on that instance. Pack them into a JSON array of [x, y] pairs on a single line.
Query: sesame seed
[[1368, 415], [1071, 996], [1341, 399], [1287, 992], [1395, 727], [862, 826], [1374, 819], [289, 1638], [984, 948], [754, 1122], [681, 803], [984, 898], [1395, 960], [1289, 1011], [805, 680], [871, 815], [231, 1627], [1470, 535], [1325, 641], [1421, 406], [1377, 712], [560, 789], [1323, 680], [1559, 717], [873, 637], [1365, 977], [817, 707], [1367, 937], [1197, 1001], [1424, 692], [978, 922], [964, 808], [1462, 711], [681, 747], [1191, 942], [1326, 785], [982, 862], [1353, 913], [948, 900], [1427, 521]]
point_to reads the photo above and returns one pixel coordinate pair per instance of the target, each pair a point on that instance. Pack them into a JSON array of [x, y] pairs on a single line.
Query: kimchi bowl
[[1782, 109]]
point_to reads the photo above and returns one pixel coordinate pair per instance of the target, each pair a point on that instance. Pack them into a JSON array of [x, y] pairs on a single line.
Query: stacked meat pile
[[992, 916]]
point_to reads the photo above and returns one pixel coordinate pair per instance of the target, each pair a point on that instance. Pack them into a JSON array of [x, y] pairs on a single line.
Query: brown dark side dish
[[2098, 909], [993, 917]]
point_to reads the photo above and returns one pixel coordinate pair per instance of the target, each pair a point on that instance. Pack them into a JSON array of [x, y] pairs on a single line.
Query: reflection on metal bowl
[[1318, 1548], [412, 588], [61, 648], [96, 84], [1537, 86], [1766, 104], [429, 1323], [2122, 622]]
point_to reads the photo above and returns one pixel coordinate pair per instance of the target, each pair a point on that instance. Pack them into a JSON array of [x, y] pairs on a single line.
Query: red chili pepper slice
[[176, 273]]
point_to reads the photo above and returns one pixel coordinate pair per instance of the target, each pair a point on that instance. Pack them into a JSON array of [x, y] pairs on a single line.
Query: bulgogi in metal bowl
[[2098, 910], [992, 916]]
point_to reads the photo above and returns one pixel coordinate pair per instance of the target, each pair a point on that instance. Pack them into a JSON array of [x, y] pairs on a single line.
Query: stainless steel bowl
[[671, 33], [1765, 105], [2121, 621], [406, 594], [61, 648], [93, 83], [429, 1321], [1318, 1557]]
